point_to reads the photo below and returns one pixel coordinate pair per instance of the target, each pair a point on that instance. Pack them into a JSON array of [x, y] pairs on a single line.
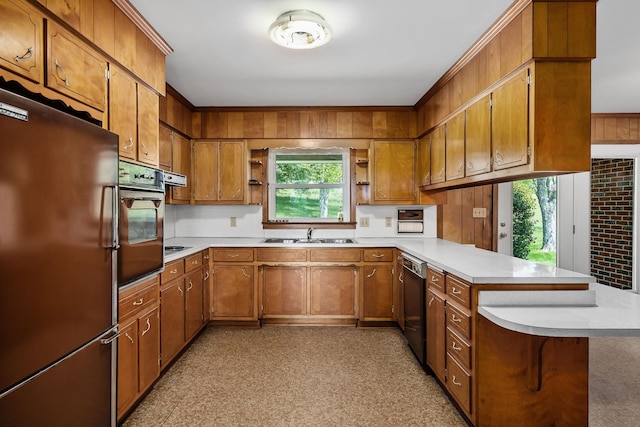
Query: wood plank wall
[[615, 128], [455, 218]]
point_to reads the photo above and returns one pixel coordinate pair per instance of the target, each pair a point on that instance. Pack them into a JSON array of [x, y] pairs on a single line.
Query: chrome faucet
[[309, 231]]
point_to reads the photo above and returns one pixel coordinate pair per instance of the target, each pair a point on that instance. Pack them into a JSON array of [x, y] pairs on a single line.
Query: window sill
[[290, 225]]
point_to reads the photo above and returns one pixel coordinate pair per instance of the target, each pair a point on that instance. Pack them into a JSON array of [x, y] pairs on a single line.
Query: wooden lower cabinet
[[333, 291], [233, 292], [138, 343], [436, 352], [284, 291], [182, 304]]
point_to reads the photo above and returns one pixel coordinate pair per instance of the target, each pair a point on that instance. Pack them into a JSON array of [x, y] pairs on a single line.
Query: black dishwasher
[[415, 330]]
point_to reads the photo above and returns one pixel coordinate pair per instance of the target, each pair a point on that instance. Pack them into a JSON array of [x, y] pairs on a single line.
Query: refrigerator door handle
[[115, 336], [114, 229]]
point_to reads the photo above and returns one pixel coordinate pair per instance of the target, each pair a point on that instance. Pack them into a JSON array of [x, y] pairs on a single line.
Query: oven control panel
[[135, 176]]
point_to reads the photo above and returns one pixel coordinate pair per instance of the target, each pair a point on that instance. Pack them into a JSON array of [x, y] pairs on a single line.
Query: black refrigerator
[[58, 240]]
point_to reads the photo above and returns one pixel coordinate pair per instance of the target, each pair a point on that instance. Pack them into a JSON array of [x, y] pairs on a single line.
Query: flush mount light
[[300, 29]]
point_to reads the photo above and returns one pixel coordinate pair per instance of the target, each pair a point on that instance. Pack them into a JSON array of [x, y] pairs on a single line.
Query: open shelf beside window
[[257, 161], [361, 175]]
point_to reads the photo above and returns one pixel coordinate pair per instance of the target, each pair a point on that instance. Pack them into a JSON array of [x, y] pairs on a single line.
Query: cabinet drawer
[[435, 279], [459, 383], [134, 300], [193, 262], [458, 321], [458, 291], [172, 270], [334, 254], [459, 349], [281, 254], [206, 256], [381, 255], [242, 254]]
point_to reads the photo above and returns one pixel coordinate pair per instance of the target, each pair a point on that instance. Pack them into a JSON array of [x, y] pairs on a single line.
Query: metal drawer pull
[[194, 262], [233, 255], [126, 334], [244, 274], [148, 327], [206, 276], [181, 291], [144, 148], [432, 300], [435, 279], [28, 54], [453, 380], [372, 273], [130, 144], [455, 291], [61, 74], [190, 286], [455, 347], [455, 319], [138, 302], [377, 256], [174, 271]]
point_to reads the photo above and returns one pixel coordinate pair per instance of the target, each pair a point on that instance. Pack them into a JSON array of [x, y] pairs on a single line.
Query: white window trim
[[345, 185]]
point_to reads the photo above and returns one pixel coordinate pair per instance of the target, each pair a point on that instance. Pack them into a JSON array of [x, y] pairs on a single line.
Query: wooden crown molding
[[144, 26]]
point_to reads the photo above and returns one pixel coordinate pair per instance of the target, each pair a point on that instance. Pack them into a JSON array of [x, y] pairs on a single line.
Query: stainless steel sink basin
[[173, 249], [291, 240]]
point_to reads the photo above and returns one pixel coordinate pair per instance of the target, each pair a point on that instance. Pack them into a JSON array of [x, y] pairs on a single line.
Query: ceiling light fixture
[[300, 29]]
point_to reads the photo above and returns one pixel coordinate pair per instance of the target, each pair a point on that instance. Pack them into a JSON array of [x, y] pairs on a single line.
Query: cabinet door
[[333, 291], [394, 171], [454, 147], [21, 53], [127, 365], [437, 155], [377, 291], [74, 69], [148, 349], [436, 351], [398, 283], [284, 291], [232, 175], [148, 117], [205, 173], [122, 112], [233, 292], [172, 316], [424, 160], [182, 164], [165, 136], [478, 137], [509, 119], [194, 303]]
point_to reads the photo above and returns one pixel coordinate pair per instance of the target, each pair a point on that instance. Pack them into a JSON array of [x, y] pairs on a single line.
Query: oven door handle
[[129, 201]]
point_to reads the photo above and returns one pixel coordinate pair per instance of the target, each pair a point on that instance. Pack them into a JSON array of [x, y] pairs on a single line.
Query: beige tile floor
[[337, 376]]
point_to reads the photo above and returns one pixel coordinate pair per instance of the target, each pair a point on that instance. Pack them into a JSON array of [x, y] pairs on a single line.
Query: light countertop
[[465, 261], [600, 311]]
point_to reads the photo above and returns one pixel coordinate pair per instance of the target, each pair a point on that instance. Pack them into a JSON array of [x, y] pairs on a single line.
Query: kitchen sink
[[291, 240], [174, 249]]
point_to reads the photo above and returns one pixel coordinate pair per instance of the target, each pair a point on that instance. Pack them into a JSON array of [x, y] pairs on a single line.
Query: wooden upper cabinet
[[74, 69], [205, 162], [21, 39], [424, 161], [148, 126], [509, 123], [123, 112], [219, 171], [394, 172], [181, 163], [165, 137], [478, 137], [438, 155], [454, 147]]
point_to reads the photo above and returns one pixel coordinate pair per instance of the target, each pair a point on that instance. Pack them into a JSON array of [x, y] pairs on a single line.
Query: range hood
[[175, 179]]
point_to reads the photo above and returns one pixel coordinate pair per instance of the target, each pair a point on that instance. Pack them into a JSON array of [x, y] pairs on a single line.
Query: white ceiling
[[383, 53]]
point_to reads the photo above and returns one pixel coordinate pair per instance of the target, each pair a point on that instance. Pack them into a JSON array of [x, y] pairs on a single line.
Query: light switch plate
[[479, 212], [234, 221], [364, 221], [388, 221]]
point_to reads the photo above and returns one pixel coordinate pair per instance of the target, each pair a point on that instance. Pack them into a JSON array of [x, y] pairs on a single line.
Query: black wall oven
[[140, 222]]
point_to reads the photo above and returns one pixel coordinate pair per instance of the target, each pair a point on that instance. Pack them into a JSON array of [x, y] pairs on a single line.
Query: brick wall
[[612, 221]]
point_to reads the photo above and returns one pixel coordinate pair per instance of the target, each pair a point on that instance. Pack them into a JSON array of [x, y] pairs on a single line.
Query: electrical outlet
[[479, 212], [234, 221], [364, 221], [388, 221]]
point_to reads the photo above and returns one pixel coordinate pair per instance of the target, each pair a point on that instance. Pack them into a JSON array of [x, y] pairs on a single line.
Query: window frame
[[348, 186]]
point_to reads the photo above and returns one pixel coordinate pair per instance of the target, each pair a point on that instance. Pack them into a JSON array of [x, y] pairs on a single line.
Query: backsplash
[[215, 221]]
